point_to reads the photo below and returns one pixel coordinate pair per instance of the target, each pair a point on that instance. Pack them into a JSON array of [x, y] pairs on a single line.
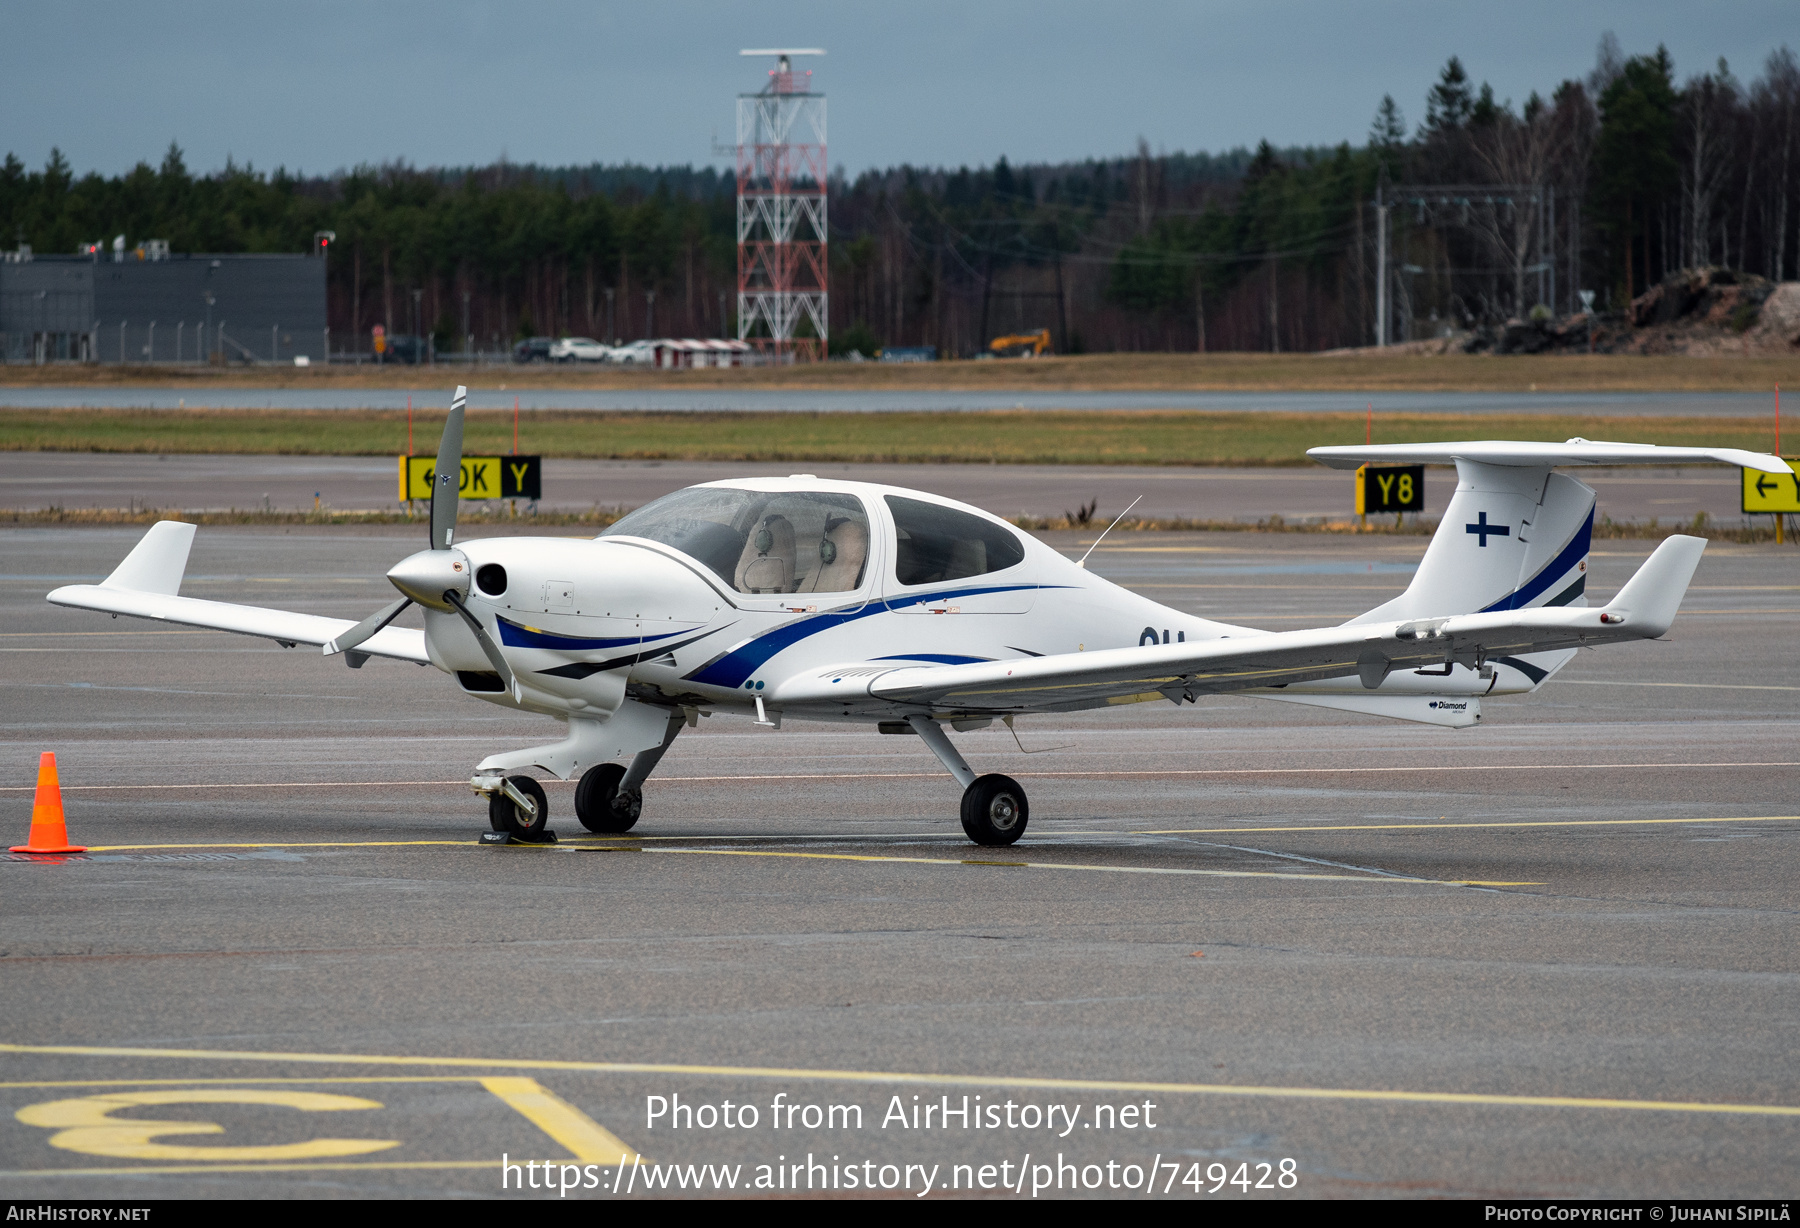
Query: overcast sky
[[319, 87]]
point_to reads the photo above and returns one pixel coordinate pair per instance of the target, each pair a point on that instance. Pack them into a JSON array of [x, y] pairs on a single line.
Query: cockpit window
[[940, 543], [758, 542]]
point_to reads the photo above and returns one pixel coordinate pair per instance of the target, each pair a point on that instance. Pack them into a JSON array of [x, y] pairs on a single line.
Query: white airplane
[[802, 597]]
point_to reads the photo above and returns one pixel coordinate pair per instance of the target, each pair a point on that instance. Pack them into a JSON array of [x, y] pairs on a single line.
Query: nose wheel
[[994, 810], [601, 806], [519, 807]]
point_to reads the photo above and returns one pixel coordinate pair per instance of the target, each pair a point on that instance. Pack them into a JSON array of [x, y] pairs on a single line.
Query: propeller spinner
[[438, 577]]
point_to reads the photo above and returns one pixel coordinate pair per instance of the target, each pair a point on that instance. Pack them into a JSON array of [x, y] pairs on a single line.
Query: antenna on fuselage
[[1082, 561]]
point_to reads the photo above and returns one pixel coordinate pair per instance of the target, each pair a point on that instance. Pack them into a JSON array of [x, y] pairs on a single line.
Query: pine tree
[[1450, 102], [1634, 158], [1388, 132]]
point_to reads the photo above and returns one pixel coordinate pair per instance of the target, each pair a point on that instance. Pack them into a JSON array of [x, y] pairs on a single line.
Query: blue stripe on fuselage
[[517, 635], [1552, 571], [733, 667]]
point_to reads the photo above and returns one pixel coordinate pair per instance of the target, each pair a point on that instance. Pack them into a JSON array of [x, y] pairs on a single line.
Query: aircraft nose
[[429, 574]]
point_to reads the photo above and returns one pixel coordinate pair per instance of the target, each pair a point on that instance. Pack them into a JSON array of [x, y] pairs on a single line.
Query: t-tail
[[1515, 536]]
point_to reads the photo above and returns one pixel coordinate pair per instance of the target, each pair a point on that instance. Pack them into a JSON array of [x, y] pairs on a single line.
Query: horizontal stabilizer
[[1652, 596], [1515, 452]]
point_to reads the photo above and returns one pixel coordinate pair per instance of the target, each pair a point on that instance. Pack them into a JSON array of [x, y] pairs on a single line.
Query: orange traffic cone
[[49, 834]]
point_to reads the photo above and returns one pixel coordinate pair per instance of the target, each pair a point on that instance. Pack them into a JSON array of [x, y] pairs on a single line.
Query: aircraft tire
[[995, 810], [504, 816], [599, 804]]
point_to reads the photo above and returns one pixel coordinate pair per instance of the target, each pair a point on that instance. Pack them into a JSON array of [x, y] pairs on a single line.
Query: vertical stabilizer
[[1513, 537]]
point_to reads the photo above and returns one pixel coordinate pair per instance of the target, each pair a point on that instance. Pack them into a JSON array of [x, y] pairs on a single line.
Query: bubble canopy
[[796, 541]]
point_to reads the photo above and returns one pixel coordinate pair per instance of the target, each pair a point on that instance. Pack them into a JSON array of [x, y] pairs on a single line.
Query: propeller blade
[[447, 476], [494, 655], [367, 627]]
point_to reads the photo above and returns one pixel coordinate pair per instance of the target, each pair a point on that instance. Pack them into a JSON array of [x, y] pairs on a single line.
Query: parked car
[[579, 349], [533, 349], [404, 348], [638, 352]]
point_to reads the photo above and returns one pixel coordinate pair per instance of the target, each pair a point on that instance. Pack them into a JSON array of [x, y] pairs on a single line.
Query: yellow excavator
[[1021, 345]]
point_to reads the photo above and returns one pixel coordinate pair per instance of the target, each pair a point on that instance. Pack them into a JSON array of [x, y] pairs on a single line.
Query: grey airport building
[[149, 305]]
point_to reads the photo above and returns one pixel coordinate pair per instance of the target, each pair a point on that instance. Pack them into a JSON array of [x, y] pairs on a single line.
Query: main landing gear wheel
[[994, 810], [504, 814], [599, 804]]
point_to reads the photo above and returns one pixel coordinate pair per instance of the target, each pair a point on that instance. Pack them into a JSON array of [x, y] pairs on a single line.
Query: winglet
[[157, 563], [1652, 596]]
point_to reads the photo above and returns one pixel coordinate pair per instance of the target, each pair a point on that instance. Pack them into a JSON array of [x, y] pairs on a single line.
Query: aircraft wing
[[146, 585], [1643, 609], [283, 626]]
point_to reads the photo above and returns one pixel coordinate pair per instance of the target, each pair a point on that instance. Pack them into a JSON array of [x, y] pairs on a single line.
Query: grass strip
[[1055, 437]]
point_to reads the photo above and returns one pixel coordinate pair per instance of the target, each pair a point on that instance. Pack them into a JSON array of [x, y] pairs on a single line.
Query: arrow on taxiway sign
[[1764, 485]]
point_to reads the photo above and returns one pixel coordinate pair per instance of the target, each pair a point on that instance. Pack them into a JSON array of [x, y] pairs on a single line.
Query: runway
[[35, 480], [1551, 957]]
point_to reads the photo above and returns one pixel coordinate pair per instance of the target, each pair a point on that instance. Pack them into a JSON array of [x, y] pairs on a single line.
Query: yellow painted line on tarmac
[[918, 1080], [158, 1170], [1063, 865], [586, 1139], [871, 857], [50, 1083], [1218, 831], [589, 841], [586, 841]]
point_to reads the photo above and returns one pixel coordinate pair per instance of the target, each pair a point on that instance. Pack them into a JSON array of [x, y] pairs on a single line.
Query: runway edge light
[[49, 833]]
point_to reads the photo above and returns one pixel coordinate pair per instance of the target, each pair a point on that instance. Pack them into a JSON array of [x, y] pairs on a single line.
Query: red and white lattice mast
[[782, 303]]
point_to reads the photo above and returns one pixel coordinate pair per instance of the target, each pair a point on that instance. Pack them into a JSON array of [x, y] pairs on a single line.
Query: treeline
[[1490, 211]]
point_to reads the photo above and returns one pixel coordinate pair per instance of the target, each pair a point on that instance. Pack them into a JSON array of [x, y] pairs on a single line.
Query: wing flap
[[284, 626]]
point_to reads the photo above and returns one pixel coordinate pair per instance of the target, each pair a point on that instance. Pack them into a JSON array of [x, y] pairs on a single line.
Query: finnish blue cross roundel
[[1482, 528]]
